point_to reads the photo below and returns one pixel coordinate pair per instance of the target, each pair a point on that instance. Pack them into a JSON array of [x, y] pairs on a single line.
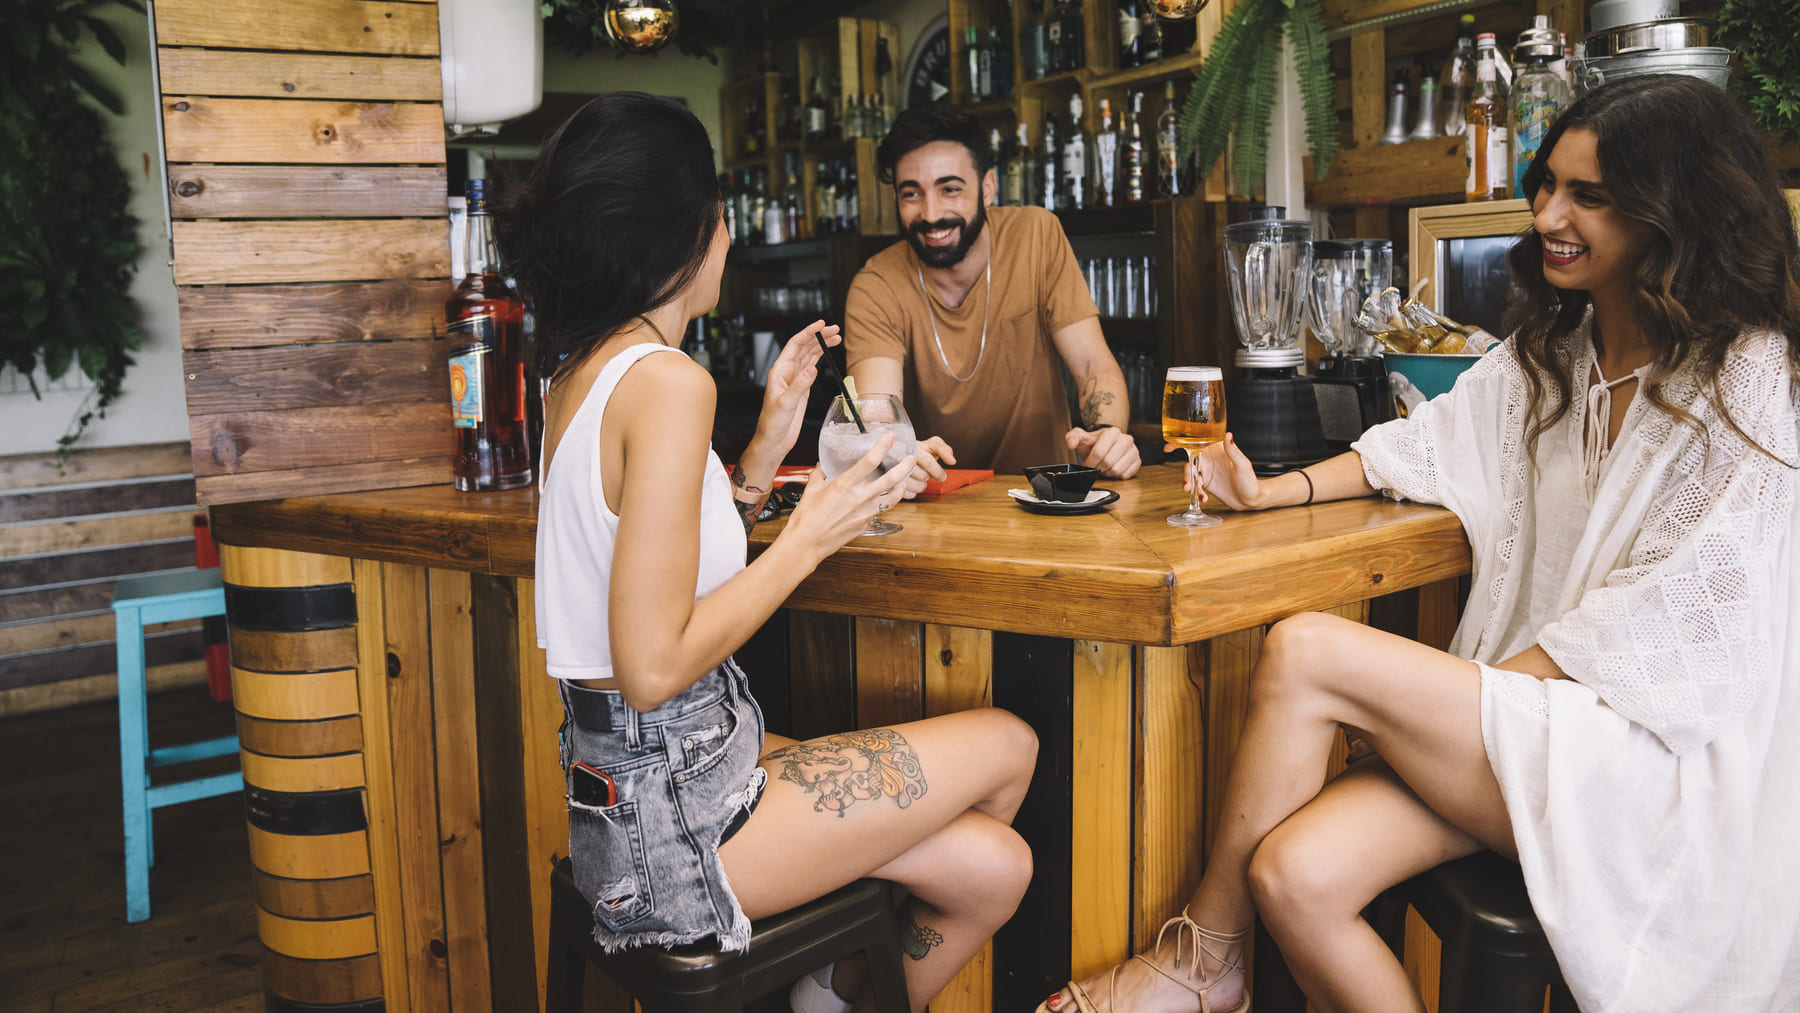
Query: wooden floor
[[64, 943]]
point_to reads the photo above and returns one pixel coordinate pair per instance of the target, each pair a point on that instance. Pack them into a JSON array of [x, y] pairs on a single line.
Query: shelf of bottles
[[1392, 73]]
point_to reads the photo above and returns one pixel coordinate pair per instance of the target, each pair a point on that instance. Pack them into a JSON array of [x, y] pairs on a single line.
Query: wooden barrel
[[294, 682]]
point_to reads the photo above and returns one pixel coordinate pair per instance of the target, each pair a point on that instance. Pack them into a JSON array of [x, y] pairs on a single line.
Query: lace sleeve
[[1678, 640], [1420, 457]]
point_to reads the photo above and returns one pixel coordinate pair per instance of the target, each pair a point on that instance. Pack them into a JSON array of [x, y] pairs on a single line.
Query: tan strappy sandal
[[1197, 938]]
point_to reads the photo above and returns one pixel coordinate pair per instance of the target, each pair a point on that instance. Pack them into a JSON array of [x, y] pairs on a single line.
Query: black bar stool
[[857, 919], [1495, 957]]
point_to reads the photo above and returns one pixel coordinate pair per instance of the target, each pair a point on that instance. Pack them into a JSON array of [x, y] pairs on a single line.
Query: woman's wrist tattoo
[[749, 508]]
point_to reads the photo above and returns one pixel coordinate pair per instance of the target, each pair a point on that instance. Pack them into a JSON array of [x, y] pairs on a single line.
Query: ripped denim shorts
[[686, 778]]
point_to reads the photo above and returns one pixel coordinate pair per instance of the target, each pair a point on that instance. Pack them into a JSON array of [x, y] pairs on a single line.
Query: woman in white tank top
[[686, 818]]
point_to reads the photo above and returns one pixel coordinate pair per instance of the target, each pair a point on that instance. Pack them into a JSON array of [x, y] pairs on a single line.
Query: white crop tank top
[[576, 533]]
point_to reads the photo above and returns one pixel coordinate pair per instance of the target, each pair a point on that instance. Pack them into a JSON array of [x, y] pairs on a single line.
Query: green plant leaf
[[1312, 62], [1252, 155], [109, 40], [96, 89], [1217, 96]]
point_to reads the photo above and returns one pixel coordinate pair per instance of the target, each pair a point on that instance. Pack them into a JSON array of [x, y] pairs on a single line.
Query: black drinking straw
[[849, 402]]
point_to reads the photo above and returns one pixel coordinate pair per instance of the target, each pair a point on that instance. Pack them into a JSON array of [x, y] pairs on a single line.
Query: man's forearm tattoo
[[1092, 400], [853, 767], [749, 510], [917, 940]]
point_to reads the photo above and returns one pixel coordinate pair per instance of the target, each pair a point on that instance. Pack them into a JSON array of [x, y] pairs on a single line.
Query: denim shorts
[[687, 777]]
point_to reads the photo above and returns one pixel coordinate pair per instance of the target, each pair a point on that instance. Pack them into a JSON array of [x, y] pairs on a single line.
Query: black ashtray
[[1064, 483]]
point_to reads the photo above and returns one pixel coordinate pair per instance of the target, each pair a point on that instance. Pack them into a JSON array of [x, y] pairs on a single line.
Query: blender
[[1274, 414], [1351, 381]]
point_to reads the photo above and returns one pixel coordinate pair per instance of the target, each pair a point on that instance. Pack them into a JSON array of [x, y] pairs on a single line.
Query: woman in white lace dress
[[1620, 708]]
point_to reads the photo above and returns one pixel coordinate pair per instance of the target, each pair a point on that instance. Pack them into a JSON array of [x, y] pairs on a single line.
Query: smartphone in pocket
[[592, 786]]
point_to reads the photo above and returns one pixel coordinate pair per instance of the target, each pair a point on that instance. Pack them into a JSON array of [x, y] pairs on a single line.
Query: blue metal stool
[[137, 602]]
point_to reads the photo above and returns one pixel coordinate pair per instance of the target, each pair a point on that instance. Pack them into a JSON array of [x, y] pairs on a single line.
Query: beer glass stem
[[1194, 476]]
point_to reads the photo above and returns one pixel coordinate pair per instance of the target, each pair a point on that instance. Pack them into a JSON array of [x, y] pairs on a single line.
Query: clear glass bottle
[[1106, 160], [1168, 159], [1488, 151], [1539, 95], [484, 324], [1077, 160], [1458, 82], [1048, 190], [1019, 169]]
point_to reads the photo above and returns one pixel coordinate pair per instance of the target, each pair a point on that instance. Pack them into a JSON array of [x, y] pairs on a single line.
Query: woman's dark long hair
[[613, 219], [1678, 155]]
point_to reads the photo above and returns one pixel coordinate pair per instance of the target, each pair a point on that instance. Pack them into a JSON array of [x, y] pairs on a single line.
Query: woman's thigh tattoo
[[917, 940], [852, 767]]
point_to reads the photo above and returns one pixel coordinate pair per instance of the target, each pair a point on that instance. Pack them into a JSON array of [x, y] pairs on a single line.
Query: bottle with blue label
[[1539, 95], [484, 327]]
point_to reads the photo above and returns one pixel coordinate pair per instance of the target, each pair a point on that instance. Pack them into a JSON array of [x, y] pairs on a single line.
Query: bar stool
[[137, 602], [1496, 959], [858, 918]]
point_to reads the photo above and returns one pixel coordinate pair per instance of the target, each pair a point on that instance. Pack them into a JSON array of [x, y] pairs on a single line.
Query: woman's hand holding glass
[[1226, 475], [834, 512], [790, 379]]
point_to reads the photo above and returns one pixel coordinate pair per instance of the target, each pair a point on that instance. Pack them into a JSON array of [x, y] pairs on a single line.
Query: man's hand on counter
[[1106, 447], [932, 454]]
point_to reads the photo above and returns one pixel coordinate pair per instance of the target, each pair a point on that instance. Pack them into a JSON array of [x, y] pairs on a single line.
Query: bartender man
[[971, 318]]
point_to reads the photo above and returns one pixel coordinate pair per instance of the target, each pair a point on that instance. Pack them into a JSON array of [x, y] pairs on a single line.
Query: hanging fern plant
[[1234, 90], [68, 241]]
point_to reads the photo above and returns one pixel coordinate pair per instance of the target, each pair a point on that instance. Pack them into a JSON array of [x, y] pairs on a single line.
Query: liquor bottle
[[1426, 128], [774, 221], [793, 221], [1131, 154], [1539, 95], [484, 324], [1048, 163], [997, 155], [972, 57], [1484, 129], [1168, 159], [884, 114], [984, 66], [1030, 66], [818, 113], [1077, 159], [1003, 64], [852, 199], [1074, 39], [824, 200], [1396, 122], [1129, 25], [1053, 39], [1152, 36], [1106, 160], [1458, 82], [728, 205], [787, 112], [1019, 174], [752, 129]]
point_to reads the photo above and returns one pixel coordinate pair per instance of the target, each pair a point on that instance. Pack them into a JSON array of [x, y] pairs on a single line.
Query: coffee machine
[[1273, 413], [1351, 381]]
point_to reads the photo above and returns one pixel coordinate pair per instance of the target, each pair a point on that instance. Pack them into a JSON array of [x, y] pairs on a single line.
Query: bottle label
[[1128, 28], [1498, 178], [1106, 154], [815, 120], [1074, 161], [466, 367]]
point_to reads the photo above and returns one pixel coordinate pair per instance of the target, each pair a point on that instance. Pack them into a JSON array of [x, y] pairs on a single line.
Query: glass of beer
[[1193, 419]]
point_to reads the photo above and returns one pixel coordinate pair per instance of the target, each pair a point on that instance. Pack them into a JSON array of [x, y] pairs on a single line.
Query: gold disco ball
[[642, 26], [1178, 10]]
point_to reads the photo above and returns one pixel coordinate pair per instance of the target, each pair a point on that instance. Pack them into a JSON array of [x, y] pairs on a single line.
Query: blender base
[[1275, 420]]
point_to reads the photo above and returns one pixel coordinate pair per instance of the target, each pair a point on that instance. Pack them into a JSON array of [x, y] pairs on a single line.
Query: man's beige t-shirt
[[1013, 411]]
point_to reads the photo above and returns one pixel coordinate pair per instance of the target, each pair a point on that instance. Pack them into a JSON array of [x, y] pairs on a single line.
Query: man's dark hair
[[927, 124]]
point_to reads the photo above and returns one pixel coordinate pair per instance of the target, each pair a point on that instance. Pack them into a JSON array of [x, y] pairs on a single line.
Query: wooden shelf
[[823, 246], [1139, 217], [1150, 73], [1416, 172], [1061, 79]]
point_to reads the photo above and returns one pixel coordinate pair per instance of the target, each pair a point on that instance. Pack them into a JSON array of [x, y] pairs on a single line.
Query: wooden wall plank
[[71, 692], [1172, 761], [102, 464], [325, 480], [314, 376], [382, 855], [201, 129], [1100, 841], [84, 501], [546, 803], [298, 75], [121, 529], [306, 191], [959, 675], [36, 669], [345, 26], [69, 599], [412, 738], [321, 437], [454, 708], [889, 672], [91, 564], [73, 631], [352, 249], [257, 315]]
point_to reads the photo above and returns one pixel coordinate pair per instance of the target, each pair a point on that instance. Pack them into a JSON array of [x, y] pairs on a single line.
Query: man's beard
[[947, 256]]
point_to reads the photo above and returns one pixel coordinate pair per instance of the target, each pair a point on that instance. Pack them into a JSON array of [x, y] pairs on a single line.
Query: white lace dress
[[1655, 793]]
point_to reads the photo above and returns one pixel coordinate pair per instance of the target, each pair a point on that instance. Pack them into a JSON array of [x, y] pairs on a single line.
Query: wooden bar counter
[[384, 651]]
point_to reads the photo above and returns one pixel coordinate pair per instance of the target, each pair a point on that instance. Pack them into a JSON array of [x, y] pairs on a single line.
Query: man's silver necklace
[[986, 304]]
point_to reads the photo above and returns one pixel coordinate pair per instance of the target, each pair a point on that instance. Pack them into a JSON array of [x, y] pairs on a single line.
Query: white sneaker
[[813, 994]]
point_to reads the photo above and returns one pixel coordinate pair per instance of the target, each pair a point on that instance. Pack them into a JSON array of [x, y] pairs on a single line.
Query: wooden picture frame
[[1432, 231]]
